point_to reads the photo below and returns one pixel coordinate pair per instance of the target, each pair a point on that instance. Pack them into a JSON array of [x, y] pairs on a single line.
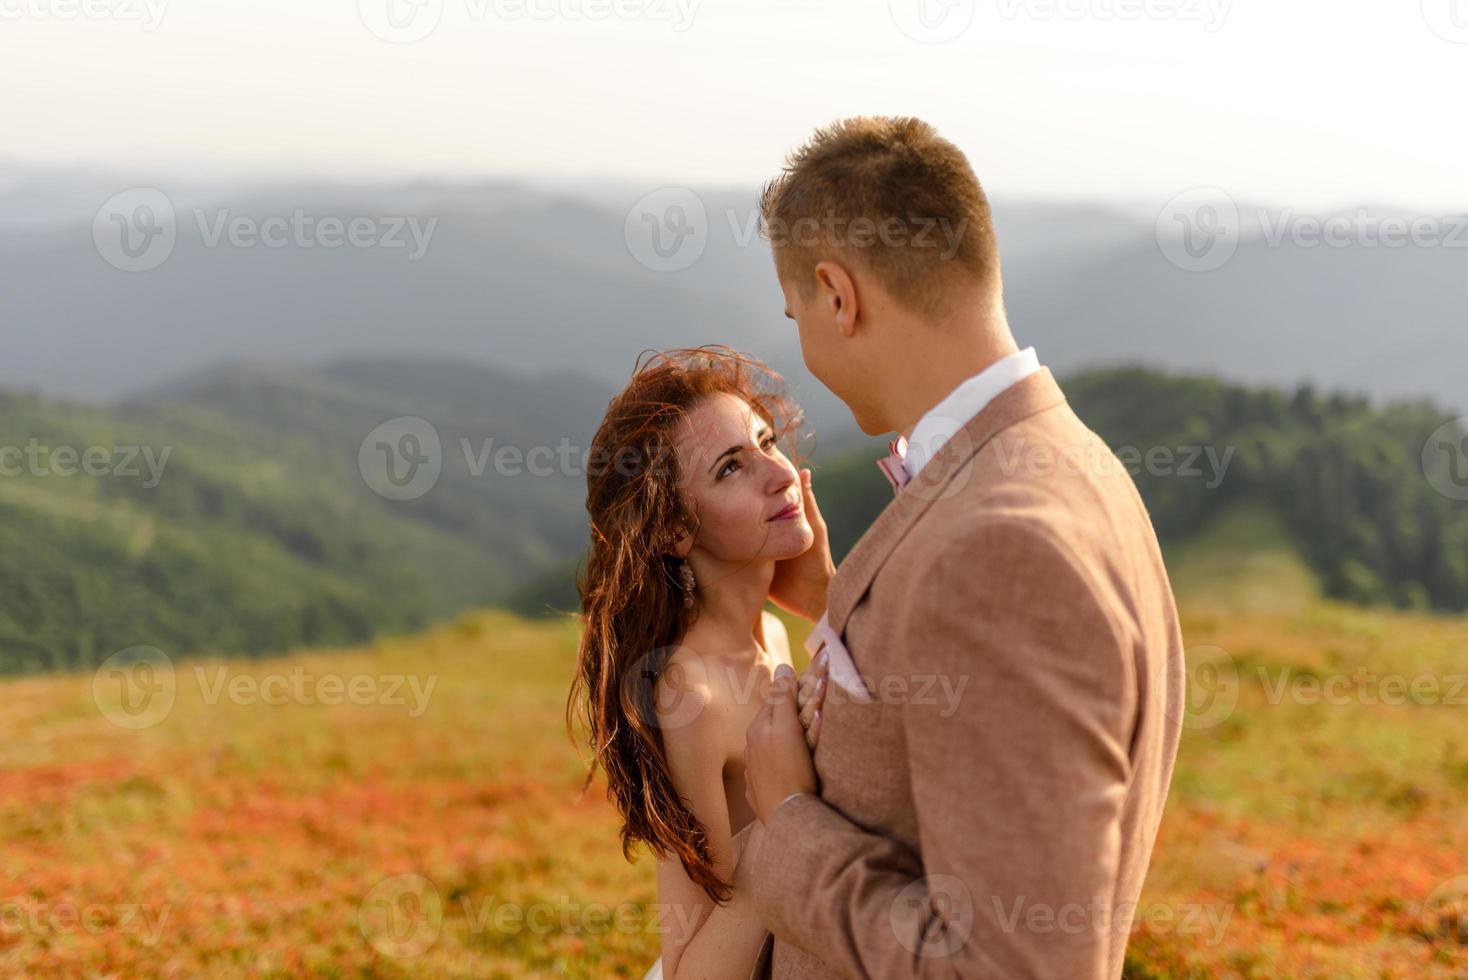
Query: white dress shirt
[[962, 404]]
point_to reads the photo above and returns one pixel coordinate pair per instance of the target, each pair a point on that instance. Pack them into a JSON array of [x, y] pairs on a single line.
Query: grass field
[[1318, 824]]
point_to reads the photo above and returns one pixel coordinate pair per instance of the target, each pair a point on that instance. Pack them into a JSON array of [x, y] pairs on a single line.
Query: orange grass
[[301, 839]]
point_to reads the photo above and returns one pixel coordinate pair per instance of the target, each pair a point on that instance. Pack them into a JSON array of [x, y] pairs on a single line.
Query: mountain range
[[534, 278]]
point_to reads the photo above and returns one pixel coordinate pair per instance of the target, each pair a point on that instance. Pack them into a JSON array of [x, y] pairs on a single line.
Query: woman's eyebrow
[[728, 452], [759, 437]]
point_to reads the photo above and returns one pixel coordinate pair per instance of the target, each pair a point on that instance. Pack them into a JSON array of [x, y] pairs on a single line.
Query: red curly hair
[[632, 605]]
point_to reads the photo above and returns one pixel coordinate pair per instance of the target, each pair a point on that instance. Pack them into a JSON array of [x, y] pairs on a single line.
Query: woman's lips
[[789, 513]]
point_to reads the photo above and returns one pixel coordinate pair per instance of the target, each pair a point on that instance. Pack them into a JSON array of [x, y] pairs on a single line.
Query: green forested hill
[[262, 534], [1344, 480]]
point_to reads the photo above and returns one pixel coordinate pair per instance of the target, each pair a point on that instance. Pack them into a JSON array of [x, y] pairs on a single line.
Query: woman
[[692, 504]]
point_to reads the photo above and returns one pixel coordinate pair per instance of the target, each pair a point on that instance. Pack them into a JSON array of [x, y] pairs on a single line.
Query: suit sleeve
[[1018, 778]]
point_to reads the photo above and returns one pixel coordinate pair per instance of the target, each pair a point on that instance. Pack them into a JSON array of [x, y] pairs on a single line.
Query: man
[[1005, 664]]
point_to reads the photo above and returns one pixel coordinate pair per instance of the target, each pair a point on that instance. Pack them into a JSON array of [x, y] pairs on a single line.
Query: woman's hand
[[811, 696], [800, 583]]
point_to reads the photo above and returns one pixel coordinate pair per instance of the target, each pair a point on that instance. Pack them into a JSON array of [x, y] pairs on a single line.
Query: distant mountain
[[542, 279], [1385, 322]]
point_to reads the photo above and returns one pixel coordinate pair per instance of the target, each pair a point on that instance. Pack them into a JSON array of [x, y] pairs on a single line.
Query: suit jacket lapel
[[1021, 400]]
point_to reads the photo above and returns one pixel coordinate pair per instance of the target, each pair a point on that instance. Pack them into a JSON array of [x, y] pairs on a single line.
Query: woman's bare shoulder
[[693, 707]]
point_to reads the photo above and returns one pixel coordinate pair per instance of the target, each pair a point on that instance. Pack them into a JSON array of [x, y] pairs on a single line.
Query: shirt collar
[[962, 404]]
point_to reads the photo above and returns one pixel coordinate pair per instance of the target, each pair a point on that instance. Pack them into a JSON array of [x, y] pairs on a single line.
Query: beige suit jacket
[[990, 809]]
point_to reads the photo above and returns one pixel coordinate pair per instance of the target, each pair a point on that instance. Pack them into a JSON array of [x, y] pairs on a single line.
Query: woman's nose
[[781, 475]]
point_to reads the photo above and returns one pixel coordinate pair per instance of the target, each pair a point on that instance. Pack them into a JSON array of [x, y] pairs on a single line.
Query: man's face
[[828, 354]]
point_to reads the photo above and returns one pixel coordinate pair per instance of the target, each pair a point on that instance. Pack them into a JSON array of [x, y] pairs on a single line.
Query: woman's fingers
[[812, 509], [810, 710]]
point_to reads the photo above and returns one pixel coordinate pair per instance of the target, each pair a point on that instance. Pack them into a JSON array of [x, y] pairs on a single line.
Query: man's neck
[[936, 360]]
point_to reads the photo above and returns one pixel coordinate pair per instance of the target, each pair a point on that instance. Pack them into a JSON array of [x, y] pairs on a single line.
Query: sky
[[1310, 102]]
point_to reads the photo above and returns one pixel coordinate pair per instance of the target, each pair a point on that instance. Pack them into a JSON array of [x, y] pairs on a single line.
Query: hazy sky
[[1324, 102]]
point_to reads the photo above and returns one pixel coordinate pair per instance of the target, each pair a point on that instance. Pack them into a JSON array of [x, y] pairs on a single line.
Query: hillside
[[437, 828], [255, 528], [1337, 483], [263, 532]]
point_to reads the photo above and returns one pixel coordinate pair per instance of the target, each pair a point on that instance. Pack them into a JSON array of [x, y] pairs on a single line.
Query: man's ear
[[837, 289]]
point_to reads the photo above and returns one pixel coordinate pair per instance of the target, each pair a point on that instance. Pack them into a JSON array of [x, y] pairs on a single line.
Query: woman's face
[[740, 487]]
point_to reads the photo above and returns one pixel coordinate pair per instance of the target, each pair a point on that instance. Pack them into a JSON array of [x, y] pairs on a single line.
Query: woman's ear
[[683, 543]]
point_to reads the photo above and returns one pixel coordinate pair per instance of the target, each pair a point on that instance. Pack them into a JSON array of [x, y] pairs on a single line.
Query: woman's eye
[[765, 444]]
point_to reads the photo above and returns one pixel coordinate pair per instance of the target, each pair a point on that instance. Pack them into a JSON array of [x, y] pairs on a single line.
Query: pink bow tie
[[892, 467]]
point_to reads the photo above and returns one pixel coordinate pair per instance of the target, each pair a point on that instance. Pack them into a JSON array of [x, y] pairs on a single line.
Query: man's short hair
[[890, 194]]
